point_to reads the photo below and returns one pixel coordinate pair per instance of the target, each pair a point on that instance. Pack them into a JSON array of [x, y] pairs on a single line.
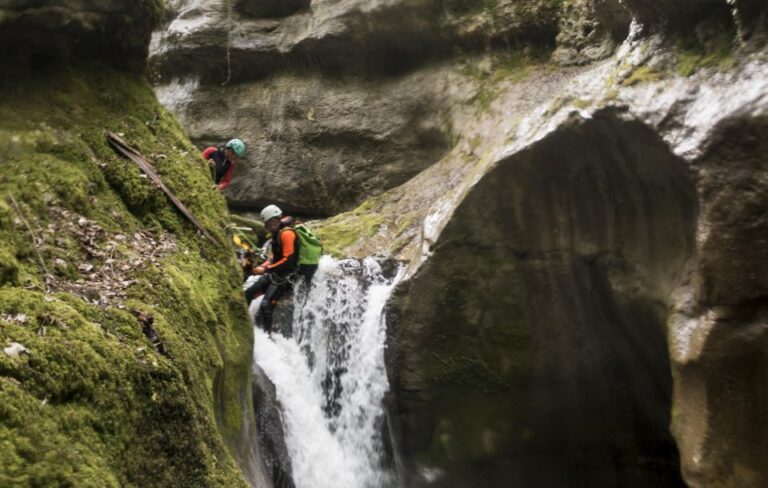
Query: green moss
[[515, 65], [9, 268], [715, 50], [463, 7], [405, 222], [582, 103], [345, 230], [643, 74], [94, 403], [510, 66]]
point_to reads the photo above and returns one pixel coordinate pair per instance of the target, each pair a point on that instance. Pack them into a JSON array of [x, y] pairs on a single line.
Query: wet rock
[[340, 116], [389, 266], [735, 246], [719, 327], [282, 318], [271, 433], [352, 36], [599, 228]]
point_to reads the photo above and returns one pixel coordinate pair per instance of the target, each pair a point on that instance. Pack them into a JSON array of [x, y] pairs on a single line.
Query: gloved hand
[[257, 270]]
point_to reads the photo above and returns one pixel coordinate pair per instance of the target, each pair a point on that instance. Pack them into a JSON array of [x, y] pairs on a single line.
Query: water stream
[[330, 377]]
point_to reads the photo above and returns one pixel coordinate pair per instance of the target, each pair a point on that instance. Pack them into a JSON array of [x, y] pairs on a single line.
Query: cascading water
[[330, 377]]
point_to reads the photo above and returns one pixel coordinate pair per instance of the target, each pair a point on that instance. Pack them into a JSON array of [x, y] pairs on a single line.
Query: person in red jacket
[[223, 160], [278, 271]]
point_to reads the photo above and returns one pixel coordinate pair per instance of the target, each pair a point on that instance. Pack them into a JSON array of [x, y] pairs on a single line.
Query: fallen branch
[[146, 166], [31, 233]]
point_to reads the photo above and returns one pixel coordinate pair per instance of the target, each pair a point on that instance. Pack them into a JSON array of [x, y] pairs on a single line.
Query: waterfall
[[330, 377]]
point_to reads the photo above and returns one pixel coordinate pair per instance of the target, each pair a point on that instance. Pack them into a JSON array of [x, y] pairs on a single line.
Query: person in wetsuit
[[223, 160], [279, 270]]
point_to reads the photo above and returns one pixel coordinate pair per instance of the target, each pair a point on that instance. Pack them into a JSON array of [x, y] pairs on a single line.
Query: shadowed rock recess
[[41, 32], [543, 308]]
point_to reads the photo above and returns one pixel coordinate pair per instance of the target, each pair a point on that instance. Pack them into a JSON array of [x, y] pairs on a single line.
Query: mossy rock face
[[87, 243], [9, 268]]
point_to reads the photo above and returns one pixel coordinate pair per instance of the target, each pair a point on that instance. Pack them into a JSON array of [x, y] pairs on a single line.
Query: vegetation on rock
[[96, 398]]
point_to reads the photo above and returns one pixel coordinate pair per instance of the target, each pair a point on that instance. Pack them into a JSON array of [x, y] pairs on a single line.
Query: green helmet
[[237, 146]]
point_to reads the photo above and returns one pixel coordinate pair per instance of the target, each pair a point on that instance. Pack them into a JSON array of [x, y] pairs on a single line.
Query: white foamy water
[[330, 377]]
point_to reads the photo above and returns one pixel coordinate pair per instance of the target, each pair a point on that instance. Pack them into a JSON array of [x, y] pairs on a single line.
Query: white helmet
[[270, 212]]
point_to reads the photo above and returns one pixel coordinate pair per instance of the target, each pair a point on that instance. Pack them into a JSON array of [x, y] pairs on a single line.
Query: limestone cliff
[[126, 348], [579, 188], [322, 95]]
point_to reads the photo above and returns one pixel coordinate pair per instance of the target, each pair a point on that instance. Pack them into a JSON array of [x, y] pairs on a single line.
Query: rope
[[291, 279], [231, 27]]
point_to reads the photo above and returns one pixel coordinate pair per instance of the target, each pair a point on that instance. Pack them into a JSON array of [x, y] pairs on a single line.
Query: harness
[[222, 164], [291, 278], [291, 274]]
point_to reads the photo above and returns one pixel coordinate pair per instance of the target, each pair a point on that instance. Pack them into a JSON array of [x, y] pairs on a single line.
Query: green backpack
[[311, 247]]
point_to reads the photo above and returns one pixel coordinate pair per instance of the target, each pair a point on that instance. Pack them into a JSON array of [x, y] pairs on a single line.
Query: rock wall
[[577, 187], [126, 347], [338, 118]]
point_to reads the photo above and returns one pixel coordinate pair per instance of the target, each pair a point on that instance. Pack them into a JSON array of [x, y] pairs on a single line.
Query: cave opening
[[602, 215], [579, 242]]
